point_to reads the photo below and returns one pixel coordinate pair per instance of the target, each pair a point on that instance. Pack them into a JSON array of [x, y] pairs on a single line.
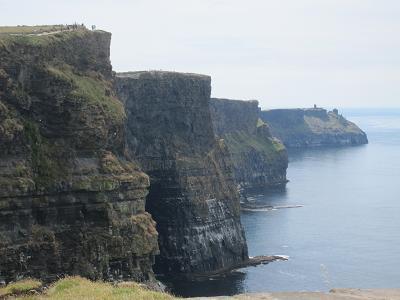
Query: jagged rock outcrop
[[192, 195], [312, 127], [71, 202], [259, 159]]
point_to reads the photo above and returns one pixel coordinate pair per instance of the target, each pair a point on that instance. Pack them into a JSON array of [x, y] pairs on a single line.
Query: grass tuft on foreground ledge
[[81, 288], [20, 287]]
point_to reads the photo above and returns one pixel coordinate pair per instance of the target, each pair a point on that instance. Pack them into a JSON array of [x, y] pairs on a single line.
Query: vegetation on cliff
[[80, 288], [44, 36], [312, 127], [71, 201], [21, 287], [90, 88], [259, 159], [51, 79], [241, 142], [38, 29]]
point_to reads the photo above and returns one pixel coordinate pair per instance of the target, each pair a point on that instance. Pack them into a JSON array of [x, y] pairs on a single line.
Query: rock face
[[70, 200], [259, 159], [192, 196], [312, 128]]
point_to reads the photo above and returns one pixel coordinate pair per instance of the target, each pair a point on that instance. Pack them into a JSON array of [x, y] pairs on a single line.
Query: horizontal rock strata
[[192, 196], [70, 200], [259, 159]]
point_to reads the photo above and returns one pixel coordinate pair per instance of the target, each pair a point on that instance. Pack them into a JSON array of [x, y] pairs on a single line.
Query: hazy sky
[[285, 53]]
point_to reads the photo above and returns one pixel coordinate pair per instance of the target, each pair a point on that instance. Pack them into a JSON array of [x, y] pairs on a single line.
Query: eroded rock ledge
[[193, 197], [313, 127], [259, 159]]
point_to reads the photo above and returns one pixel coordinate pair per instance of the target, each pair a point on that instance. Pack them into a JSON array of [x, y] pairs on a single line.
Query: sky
[[284, 53]]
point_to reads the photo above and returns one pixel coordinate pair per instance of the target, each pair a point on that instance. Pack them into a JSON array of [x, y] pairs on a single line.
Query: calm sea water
[[347, 234]]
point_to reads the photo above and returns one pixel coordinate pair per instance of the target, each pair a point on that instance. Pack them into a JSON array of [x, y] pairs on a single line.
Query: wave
[[245, 207]]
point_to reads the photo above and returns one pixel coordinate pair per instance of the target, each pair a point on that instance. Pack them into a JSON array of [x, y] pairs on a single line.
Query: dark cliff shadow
[[226, 285]]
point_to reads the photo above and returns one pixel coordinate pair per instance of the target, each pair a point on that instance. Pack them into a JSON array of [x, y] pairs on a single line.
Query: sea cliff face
[[312, 128], [70, 200], [192, 196], [259, 159]]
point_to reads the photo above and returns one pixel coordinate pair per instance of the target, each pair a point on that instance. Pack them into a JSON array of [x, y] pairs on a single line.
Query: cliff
[[70, 200], [312, 128], [192, 195], [259, 160]]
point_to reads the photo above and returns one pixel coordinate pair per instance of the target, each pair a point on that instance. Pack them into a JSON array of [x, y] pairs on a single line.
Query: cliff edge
[[313, 127]]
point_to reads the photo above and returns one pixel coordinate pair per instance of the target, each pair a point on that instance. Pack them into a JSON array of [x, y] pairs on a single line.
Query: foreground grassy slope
[[80, 288]]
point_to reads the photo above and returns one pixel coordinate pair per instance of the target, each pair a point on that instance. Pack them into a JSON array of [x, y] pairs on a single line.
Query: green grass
[[260, 122], [46, 168], [29, 39], [241, 142], [80, 288], [23, 29], [20, 287], [333, 124], [291, 129], [7, 40], [294, 125], [92, 90], [278, 145]]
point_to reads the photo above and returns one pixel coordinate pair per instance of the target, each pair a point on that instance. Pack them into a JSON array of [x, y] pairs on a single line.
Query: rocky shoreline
[[250, 262], [257, 207]]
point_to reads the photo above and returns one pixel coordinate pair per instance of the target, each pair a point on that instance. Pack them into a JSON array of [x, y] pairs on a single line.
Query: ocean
[[347, 232]]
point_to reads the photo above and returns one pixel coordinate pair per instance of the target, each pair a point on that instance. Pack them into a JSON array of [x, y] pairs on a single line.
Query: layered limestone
[[313, 127], [192, 195], [71, 202], [259, 159]]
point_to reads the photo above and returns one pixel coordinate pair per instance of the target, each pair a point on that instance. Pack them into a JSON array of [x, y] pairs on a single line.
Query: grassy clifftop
[[38, 29], [80, 288], [312, 127], [56, 97], [79, 47]]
